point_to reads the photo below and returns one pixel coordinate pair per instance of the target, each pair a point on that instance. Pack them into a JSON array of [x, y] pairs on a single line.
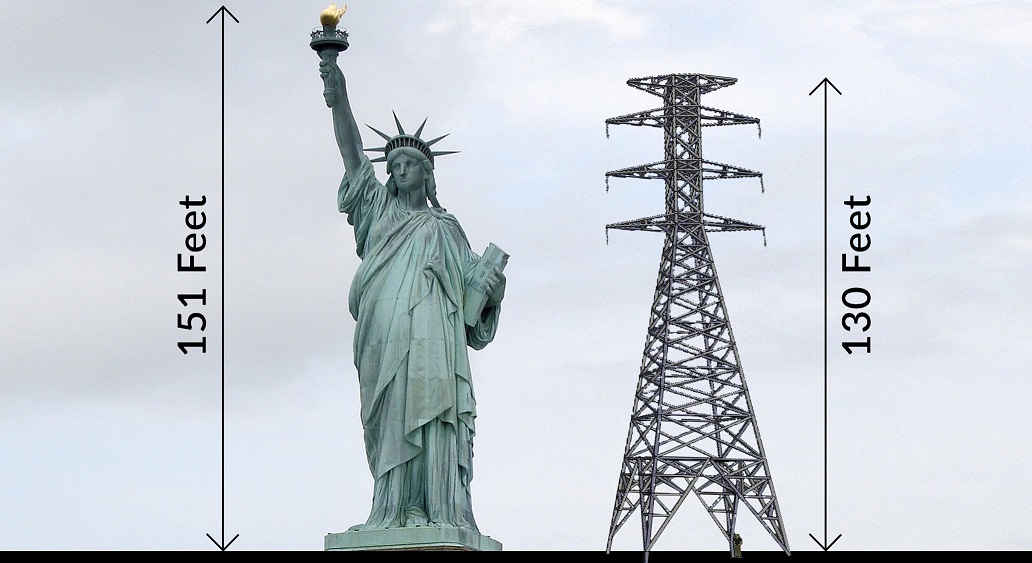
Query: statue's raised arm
[[344, 127]]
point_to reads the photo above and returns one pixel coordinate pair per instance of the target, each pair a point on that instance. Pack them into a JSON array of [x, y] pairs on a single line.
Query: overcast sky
[[110, 115]]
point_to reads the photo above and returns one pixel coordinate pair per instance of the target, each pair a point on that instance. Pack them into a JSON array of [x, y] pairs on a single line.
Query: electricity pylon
[[692, 427]]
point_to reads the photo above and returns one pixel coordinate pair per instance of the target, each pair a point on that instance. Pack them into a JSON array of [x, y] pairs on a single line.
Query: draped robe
[[418, 408]]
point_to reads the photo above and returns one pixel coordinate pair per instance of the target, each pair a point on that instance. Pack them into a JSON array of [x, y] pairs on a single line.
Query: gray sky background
[[109, 115]]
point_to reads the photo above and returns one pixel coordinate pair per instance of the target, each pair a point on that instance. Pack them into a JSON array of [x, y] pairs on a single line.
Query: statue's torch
[[329, 41]]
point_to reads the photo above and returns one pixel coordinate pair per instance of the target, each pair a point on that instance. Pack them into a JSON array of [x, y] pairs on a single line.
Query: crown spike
[[431, 142], [385, 136], [403, 139], [401, 131], [420, 130]]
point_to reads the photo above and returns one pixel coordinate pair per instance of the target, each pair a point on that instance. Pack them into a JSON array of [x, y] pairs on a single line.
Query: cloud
[[497, 25], [997, 24]]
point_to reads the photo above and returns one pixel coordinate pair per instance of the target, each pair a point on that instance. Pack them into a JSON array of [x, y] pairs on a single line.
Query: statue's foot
[[367, 526], [364, 527], [415, 517]]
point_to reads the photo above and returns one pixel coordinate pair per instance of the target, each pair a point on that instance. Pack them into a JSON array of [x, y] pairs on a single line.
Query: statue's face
[[408, 173]]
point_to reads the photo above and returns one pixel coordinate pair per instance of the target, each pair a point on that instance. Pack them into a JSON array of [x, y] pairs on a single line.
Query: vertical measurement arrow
[[824, 544], [224, 12]]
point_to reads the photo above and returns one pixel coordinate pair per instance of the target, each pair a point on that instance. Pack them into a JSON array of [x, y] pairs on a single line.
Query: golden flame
[[332, 14]]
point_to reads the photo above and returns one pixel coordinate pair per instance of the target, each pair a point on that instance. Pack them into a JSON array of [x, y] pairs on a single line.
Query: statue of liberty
[[408, 298]]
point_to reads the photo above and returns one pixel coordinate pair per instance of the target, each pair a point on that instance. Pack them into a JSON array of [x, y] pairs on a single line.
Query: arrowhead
[[226, 547], [222, 10], [822, 83], [824, 547]]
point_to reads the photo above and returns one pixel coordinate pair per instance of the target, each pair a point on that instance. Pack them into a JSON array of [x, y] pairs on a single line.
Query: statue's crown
[[403, 139]]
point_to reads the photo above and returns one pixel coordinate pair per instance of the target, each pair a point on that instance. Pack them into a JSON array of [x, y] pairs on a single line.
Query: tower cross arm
[[716, 223], [720, 171], [647, 118], [708, 117], [662, 223], [711, 117], [661, 84], [651, 171], [655, 223], [657, 117]]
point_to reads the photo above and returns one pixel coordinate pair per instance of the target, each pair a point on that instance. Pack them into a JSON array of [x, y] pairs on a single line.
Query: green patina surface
[[411, 539], [412, 338]]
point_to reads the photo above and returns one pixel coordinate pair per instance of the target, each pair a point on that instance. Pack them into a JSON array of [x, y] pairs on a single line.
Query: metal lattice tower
[[692, 428]]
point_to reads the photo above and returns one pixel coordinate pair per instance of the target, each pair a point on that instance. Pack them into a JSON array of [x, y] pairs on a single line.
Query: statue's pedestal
[[411, 539]]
